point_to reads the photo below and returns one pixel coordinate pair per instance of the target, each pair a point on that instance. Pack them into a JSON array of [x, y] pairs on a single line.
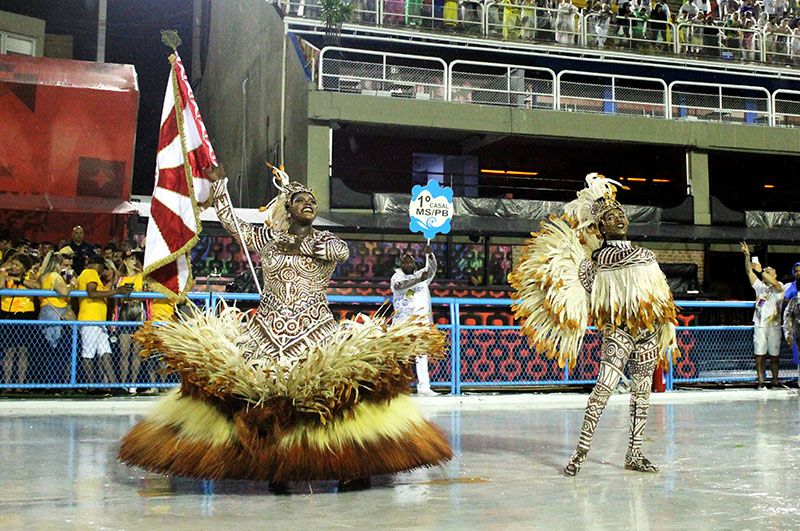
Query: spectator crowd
[[31, 354], [731, 29]]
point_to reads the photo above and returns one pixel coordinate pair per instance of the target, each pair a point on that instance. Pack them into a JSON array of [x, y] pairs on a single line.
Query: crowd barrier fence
[[489, 354]]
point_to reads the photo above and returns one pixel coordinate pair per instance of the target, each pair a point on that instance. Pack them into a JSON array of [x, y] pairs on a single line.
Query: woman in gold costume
[[289, 394]]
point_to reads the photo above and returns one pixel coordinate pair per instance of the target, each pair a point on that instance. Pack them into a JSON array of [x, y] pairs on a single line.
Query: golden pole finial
[[171, 39]]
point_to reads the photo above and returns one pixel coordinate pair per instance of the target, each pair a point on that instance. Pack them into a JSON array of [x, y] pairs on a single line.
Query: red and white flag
[[183, 151]]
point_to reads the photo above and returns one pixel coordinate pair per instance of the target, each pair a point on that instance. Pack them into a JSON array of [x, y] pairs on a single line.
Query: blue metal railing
[[480, 355]]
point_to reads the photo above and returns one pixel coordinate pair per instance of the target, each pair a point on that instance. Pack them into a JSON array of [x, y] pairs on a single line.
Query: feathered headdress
[[599, 196], [276, 210]]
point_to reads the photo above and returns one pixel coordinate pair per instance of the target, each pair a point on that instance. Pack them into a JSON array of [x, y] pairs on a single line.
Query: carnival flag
[[181, 186]]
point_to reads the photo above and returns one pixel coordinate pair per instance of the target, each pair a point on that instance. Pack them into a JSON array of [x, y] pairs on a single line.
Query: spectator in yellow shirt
[[54, 308], [94, 307], [16, 274], [161, 310]]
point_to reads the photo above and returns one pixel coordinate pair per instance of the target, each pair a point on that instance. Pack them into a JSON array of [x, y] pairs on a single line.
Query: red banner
[[68, 131]]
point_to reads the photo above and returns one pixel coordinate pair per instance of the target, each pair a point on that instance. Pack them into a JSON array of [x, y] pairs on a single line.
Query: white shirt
[[688, 10], [410, 293], [768, 304]]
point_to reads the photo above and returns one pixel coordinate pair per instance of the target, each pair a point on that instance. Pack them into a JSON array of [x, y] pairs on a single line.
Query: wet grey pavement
[[729, 459]]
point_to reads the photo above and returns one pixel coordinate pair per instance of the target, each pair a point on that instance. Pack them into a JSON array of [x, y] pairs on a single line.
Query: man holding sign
[[430, 211], [410, 297]]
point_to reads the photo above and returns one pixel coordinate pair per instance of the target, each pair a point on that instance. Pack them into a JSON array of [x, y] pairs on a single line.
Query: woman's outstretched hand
[[215, 173]]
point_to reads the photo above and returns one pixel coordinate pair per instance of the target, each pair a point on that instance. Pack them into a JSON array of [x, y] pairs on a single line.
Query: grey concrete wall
[[246, 41], [22, 25], [325, 106]]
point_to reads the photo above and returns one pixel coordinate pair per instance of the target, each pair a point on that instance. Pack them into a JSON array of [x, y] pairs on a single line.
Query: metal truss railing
[[474, 82], [488, 354], [720, 103]]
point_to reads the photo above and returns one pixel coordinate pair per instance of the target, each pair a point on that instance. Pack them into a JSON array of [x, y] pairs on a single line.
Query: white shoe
[[132, 390], [426, 392]]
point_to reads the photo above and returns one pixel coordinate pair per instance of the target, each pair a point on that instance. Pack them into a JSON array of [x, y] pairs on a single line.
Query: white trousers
[[424, 381]]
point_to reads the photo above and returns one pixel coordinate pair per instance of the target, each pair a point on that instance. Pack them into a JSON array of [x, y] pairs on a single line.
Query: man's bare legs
[[129, 360], [774, 365], [106, 369], [20, 354], [88, 369], [760, 369]]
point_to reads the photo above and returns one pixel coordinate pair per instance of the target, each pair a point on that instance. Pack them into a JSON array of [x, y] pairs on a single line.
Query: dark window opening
[[754, 182], [370, 159]]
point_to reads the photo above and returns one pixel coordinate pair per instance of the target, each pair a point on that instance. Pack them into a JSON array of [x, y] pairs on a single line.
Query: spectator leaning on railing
[[16, 274], [511, 20], [782, 41], [638, 27], [732, 34], [748, 36], [94, 308], [527, 19], [688, 10], [130, 310], [657, 27], [55, 308], [794, 46], [711, 36], [771, 39], [603, 25], [565, 22], [696, 34]]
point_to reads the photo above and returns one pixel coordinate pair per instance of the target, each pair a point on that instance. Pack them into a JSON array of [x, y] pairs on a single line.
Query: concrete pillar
[[697, 176], [319, 156], [102, 23]]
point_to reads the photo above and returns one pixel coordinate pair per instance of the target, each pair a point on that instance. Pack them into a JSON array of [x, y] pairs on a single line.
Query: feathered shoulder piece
[[550, 300]]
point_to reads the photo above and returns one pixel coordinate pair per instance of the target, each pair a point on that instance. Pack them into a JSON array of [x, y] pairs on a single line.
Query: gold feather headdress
[[276, 210], [599, 196]]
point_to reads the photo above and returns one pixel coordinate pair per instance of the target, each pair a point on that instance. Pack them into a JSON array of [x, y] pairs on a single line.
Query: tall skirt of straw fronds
[[341, 412]]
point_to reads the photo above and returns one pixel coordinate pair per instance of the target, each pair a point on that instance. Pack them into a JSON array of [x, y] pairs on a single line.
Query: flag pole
[[244, 247]]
